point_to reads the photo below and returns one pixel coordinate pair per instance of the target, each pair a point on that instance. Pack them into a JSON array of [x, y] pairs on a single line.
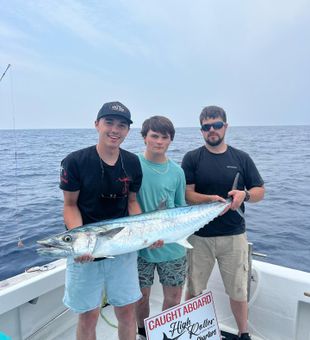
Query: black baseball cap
[[114, 109]]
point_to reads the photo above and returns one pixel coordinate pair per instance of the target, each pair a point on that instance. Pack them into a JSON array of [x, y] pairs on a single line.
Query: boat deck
[[65, 327]]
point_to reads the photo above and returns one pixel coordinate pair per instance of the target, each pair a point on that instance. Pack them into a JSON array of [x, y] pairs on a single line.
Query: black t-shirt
[[214, 174], [103, 188]]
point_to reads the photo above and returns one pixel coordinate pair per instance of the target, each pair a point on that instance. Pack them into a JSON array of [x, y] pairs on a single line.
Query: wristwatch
[[247, 196]]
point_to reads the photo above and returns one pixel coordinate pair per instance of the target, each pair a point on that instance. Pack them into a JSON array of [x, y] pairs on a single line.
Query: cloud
[[88, 21], [174, 54], [8, 32]]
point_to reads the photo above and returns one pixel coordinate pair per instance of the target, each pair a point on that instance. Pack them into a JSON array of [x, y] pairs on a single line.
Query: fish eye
[[67, 238]]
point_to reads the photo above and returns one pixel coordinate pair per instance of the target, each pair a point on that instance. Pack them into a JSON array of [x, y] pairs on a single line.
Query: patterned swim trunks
[[171, 273]]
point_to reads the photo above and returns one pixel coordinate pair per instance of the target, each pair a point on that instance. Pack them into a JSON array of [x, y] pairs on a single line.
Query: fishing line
[[20, 243], [15, 216]]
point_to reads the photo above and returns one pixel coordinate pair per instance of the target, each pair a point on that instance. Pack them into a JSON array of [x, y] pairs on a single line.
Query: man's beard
[[214, 142]]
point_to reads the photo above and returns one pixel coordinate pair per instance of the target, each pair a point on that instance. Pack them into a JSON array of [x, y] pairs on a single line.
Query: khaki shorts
[[231, 253]]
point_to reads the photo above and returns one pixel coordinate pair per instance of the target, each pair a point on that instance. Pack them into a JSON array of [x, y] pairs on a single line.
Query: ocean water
[[31, 202]]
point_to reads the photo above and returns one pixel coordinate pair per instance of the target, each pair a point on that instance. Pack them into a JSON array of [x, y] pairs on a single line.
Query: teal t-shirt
[[162, 183]]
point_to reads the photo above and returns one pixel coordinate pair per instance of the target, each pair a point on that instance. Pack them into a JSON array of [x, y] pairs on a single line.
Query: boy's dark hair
[[212, 112], [158, 124]]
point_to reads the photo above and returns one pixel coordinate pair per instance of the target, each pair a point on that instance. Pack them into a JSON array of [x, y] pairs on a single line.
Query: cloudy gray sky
[[169, 57]]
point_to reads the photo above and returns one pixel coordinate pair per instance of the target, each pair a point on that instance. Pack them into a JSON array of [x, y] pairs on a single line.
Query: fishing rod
[[20, 242], [9, 65]]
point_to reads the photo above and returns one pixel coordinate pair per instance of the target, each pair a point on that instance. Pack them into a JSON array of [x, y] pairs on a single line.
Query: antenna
[[9, 65]]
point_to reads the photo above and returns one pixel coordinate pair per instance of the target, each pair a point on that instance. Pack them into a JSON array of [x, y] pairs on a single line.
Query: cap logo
[[116, 107]]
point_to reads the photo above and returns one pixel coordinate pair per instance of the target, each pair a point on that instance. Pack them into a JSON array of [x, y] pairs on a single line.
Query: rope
[[104, 304], [43, 268]]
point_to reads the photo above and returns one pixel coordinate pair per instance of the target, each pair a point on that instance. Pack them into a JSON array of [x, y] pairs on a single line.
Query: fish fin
[[104, 257], [240, 212], [110, 233], [185, 243], [234, 187], [165, 336], [235, 183]]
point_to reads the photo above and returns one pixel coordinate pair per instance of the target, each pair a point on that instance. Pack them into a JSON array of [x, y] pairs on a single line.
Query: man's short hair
[[158, 124], [212, 112]]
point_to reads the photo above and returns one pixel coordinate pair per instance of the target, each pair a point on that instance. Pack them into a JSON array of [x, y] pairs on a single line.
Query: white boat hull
[[278, 307]]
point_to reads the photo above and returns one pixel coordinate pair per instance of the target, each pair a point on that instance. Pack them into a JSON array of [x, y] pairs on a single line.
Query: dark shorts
[[171, 273]]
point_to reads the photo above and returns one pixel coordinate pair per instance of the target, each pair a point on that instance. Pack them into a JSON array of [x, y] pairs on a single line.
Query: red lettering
[[151, 325], [157, 323], [162, 319]]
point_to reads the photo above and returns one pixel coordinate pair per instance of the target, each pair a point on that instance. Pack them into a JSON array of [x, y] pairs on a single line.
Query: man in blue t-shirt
[[163, 185], [210, 172]]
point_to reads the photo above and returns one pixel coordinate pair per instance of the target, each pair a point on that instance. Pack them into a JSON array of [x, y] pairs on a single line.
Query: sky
[[158, 57]]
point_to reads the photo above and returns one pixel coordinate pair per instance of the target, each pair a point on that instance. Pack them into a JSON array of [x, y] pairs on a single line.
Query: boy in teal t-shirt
[[163, 186]]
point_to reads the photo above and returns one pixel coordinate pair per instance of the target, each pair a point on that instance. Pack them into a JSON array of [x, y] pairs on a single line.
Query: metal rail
[[47, 324]]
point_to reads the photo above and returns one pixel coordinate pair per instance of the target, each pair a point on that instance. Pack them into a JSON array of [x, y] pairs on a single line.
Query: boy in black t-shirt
[[101, 182]]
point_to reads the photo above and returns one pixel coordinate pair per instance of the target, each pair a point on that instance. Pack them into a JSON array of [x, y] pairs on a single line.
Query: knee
[[145, 297], [173, 299], [88, 320], [126, 314]]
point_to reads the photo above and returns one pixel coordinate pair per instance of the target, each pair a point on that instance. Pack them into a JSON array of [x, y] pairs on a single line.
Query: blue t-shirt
[[163, 184]]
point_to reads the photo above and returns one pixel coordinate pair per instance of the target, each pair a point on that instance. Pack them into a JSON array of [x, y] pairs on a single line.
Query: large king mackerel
[[123, 235]]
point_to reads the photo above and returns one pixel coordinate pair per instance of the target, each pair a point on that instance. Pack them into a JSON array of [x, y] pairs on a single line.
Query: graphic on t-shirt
[[63, 175]]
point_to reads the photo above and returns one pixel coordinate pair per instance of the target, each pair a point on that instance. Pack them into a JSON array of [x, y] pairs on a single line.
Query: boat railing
[[251, 253]]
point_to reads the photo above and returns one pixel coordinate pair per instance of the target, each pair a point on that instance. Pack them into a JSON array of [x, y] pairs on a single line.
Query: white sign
[[195, 319]]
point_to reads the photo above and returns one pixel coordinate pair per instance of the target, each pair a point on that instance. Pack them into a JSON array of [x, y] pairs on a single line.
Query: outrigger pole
[[5, 71]]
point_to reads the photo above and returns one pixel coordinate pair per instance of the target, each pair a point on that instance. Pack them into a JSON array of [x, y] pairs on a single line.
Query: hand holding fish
[[84, 258], [157, 244], [237, 198], [217, 198]]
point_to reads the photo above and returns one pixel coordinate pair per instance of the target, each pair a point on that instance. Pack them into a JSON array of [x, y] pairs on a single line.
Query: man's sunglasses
[[216, 126]]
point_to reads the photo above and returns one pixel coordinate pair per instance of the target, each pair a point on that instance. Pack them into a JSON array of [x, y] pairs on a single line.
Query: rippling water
[[31, 202]]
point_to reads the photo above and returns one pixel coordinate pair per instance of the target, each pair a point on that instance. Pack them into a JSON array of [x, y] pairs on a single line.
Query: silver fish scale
[[170, 225], [131, 233]]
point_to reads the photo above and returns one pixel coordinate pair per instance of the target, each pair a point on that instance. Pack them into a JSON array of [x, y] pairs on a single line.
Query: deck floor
[[104, 330]]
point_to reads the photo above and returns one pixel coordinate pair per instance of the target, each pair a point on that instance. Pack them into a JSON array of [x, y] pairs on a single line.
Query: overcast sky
[[171, 58]]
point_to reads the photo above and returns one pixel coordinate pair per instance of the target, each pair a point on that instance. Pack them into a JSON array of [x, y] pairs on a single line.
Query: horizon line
[[176, 127]]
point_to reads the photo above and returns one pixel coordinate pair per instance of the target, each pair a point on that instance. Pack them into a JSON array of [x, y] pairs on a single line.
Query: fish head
[[70, 243]]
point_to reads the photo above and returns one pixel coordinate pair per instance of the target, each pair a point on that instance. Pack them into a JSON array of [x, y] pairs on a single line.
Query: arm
[[72, 214], [133, 205], [73, 218], [256, 195], [179, 198], [194, 197], [253, 180]]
